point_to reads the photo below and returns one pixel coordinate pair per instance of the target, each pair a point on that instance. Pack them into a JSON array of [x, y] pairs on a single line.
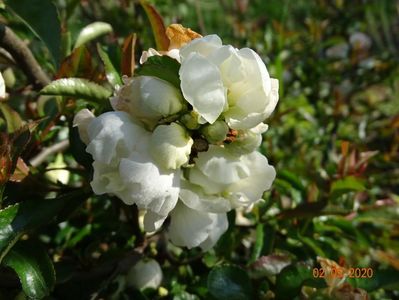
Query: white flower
[[123, 167], [239, 179], [148, 99], [218, 79], [170, 146], [192, 228], [146, 273]]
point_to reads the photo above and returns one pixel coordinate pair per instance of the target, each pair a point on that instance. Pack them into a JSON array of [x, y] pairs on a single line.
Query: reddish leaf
[[21, 171], [77, 64], [157, 25], [128, 63]]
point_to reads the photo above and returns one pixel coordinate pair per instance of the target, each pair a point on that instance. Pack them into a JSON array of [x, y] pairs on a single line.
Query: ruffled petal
[[194, 197], [147, 186], [250, 189], [108, 137], [191, 228], [221, 166]]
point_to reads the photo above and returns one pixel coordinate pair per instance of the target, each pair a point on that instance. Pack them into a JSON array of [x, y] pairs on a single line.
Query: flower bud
[[170, 146], [145, 274], [190, 120], [148, 99], [216, 132]]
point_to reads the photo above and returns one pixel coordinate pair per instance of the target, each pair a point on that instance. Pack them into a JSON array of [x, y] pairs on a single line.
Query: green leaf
[[345, 185], [291, 279], [77, 87], [33, 267], [41, 16], [257, 251], [229, 283], [91, 32], [163, 67], [17, 219], [110, 71], [13, 120]]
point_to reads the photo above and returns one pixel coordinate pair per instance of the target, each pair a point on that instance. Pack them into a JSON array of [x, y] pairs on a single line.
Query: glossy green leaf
[[17, 219], [291, 279], [110, 71], [33, 267], [77, 87], [229, 283], [163, 67], [41, 16], [91, 32]]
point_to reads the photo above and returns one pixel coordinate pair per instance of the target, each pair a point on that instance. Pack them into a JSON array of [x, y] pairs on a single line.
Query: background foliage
[[334, 141]]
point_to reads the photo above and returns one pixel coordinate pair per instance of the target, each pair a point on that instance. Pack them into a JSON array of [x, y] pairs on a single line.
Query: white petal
[[202, 86], [149, 187], [153, 221], [204, 46], [82, 119], [106, 179], [250, 189], [112, 136], [2, 87], [220, 225], [191, 228], [194, 197], [221, 166], [170, 146]]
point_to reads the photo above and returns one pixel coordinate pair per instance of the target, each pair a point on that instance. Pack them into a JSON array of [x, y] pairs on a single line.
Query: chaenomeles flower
[[219, 79], [187, 153]]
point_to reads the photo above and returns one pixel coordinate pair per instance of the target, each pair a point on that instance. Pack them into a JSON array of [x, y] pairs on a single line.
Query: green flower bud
[[216, 132], [189, 120]]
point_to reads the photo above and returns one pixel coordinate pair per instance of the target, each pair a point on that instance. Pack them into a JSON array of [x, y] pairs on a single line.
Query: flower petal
[[147, 186], [204, 46], [202, 86], [250, 189], [192, 228], [82, 120], [108, 137], [194, 197]]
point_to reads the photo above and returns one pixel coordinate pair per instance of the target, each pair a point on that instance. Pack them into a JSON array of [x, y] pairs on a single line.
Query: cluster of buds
[[186, 151]]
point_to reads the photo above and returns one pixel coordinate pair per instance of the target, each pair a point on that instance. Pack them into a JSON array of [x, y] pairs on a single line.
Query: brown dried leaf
[[179, 35]]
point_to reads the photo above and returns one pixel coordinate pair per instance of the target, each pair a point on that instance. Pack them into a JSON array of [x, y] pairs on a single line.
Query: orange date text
[[341, 273]]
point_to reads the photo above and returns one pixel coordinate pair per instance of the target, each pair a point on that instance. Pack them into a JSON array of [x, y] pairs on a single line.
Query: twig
[[23, 57], [41, 157]]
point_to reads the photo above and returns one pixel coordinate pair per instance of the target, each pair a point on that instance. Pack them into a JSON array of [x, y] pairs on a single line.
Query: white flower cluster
[[187, 153]]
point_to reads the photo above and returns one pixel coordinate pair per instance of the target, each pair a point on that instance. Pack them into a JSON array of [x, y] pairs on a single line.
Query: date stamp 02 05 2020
[[333, 272]]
